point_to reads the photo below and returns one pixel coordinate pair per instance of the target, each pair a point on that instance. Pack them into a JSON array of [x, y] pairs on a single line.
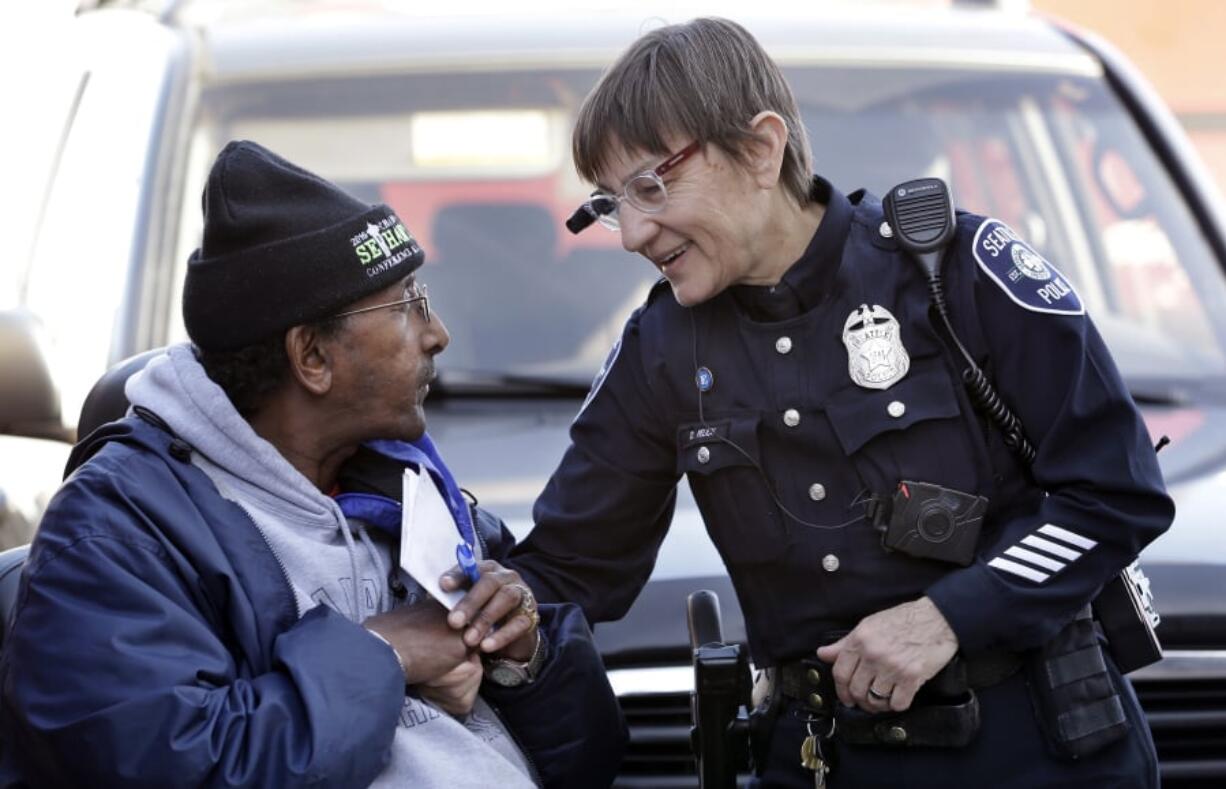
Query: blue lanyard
[[424, 456]]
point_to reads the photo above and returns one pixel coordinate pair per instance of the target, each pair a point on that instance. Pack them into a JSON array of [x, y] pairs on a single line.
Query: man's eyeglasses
[[645, 191], [414, 294]]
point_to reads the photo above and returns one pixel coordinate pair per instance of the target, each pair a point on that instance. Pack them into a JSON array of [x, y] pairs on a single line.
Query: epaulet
[[1027, 278], [967, 221], [868, 213], [865, 206]]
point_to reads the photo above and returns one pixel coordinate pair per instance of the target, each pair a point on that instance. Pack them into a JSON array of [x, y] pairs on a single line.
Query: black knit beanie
[[283, 247]]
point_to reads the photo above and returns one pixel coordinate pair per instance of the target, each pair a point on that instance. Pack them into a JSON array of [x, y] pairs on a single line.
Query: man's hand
[[420, 635], [498, 612], [455, 691], [891, 653]]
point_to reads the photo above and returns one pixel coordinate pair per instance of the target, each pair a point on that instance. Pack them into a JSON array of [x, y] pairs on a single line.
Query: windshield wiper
[[494, 384]]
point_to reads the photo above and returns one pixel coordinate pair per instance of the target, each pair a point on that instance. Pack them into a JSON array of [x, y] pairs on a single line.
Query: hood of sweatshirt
[[176, 388]]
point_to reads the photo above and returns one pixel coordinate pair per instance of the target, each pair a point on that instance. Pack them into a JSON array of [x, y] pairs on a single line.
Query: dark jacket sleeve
[[601, 519], [568, 720], [1104, 494], [120, 671]]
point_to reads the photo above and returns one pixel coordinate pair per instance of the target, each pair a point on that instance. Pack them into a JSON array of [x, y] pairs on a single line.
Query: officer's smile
[[671, 258]]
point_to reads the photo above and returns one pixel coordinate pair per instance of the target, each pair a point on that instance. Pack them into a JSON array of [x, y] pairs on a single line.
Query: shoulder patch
[[1022, 273]]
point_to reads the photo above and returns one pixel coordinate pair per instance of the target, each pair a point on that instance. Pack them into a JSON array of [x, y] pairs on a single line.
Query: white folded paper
[[428, 536]]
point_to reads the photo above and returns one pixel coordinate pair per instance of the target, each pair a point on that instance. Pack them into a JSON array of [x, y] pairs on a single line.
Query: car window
[[93, 222], [478, 165]]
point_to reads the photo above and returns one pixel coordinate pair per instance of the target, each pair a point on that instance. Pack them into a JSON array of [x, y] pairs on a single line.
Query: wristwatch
[[513, 673]]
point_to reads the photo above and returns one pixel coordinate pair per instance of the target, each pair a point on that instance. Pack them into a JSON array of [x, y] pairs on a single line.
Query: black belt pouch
[[945, 714], [1075, 696]]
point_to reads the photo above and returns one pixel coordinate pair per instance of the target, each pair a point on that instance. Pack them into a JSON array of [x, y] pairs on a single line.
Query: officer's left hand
[[892, 652], [497, 614]]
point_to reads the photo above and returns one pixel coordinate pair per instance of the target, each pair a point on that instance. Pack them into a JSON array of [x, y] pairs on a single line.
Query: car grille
[[1188, 721], [1187, 718], [659, 754]]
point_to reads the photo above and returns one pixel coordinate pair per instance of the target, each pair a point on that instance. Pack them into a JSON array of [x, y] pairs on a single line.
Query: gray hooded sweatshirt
[[327, 561]]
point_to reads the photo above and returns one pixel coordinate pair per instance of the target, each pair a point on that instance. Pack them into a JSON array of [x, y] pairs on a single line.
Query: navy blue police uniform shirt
[[836, 385]]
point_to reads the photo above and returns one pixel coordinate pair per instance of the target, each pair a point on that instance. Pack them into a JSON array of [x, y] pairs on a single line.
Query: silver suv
[[462, 125]]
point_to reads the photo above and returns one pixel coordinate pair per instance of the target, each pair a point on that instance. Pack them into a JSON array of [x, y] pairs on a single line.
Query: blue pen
[[464, 555]]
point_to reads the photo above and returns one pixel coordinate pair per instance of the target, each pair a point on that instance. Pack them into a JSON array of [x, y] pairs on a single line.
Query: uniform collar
[[806, 281]]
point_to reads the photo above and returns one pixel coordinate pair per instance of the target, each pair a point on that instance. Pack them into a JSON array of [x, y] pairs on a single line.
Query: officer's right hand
[[498, 614], [419, 633]]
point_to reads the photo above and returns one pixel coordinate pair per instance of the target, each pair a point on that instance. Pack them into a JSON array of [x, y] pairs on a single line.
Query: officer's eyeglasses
[[645, 191], [413, 294]]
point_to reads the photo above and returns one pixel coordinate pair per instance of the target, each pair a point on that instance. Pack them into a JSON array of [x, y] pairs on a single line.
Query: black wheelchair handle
[[702, 613]]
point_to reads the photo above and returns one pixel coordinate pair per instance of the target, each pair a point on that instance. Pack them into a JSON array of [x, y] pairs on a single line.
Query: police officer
[[796, 377]]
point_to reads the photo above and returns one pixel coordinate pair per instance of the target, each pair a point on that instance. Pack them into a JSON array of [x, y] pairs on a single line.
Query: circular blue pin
[[704, 379]]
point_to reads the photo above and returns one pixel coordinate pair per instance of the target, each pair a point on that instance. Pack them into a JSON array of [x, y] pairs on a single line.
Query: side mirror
[[29, 400]]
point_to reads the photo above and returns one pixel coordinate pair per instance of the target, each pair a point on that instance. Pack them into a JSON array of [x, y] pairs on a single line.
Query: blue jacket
[[155, 643], [783, 447]]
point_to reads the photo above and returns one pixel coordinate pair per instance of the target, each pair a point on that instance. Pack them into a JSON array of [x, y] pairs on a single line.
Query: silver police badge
[[876, 358]]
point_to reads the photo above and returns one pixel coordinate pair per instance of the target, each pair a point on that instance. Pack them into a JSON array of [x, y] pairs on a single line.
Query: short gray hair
[[705, 79]]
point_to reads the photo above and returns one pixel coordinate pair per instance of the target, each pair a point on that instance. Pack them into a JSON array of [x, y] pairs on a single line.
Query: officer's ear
[[311, 359], [765, 150]]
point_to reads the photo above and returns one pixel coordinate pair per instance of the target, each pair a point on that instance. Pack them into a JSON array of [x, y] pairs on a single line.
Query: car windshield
[[478, 166]]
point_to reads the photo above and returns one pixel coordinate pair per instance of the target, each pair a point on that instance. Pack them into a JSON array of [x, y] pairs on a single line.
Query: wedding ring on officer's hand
[[880, 696], [527, 604]]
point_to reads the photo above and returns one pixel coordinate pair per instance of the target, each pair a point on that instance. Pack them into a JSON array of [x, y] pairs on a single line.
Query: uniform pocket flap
[[704, 447], [860, 415]]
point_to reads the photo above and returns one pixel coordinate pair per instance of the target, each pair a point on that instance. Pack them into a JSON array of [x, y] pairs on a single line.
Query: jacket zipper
[[277, 558], [156, 421]]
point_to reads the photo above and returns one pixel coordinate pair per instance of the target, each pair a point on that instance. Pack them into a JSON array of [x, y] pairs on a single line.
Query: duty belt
[[945, 712]]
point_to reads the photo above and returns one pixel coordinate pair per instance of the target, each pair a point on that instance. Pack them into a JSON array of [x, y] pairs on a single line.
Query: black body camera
[[933, 522]]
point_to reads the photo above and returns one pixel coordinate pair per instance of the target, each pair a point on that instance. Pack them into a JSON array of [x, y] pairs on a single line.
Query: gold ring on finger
[[527, 604]]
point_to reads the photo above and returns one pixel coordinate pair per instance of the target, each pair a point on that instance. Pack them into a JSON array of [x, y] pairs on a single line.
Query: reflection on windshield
[[513, 302], [1055, 157]]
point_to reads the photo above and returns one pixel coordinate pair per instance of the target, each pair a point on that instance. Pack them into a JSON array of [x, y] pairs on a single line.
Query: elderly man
[[214, 596]]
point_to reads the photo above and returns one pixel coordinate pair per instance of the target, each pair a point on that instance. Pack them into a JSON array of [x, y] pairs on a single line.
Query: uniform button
[[896, 409], [704, 455], [816, 701], [817, 491], [814, 676], [783, 344], [885, 230], [896, 735], [791, 417], [830, 562]]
